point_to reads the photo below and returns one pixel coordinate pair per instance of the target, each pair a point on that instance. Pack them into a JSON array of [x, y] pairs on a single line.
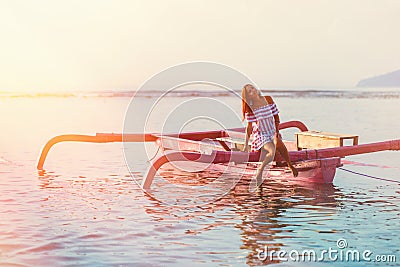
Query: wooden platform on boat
[[318, 139]]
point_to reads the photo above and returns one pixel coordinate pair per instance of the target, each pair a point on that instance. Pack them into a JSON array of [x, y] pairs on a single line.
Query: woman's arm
[[277, 122], [276, 117], [249, 129]]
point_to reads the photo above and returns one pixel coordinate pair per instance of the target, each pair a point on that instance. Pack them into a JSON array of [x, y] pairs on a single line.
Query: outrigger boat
[[315, 154]]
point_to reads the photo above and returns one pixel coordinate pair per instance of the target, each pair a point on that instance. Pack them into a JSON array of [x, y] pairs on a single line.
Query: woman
[[263, 121]]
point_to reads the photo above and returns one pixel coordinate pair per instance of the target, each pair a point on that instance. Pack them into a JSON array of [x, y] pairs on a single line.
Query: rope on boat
[[370, 176]]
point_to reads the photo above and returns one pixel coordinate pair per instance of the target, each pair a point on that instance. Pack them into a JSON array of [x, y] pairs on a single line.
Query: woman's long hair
[[245, 106]]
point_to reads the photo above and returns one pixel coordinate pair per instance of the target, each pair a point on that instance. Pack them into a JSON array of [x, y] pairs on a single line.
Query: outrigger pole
[[150, 137], [98, 138]]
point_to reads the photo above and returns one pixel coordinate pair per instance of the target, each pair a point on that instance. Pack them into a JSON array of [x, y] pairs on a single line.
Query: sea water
[[86, 209]]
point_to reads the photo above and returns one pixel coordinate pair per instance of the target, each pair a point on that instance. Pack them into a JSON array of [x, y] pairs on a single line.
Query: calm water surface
[[87, 211]]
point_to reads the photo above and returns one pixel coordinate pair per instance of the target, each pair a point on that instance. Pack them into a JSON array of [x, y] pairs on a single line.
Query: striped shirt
[[263, 125]]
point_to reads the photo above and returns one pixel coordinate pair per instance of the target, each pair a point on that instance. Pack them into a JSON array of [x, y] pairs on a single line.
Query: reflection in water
[[268, 217], [273, 214]]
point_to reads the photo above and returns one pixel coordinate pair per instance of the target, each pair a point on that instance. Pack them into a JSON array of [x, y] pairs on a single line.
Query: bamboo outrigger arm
[[215, 157], [293, 124], [113, 137], [98, 138]]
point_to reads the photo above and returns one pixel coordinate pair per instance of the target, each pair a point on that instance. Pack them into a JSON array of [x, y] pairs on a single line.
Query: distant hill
[[391, 79]]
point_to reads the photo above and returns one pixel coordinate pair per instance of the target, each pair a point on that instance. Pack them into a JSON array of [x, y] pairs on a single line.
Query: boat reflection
[[266, 217]]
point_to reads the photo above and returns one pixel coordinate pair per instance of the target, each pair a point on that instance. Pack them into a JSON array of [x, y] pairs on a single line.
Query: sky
[[51, 45]]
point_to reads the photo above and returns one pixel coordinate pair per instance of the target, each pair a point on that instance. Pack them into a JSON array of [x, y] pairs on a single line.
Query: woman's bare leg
[[268, 153], [280, 146]]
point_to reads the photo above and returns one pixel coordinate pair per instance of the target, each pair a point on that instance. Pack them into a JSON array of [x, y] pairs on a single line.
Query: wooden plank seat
[[318, 139]]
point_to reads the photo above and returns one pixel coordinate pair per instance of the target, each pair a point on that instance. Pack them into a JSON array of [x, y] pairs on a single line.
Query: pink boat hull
[[321, 171]]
